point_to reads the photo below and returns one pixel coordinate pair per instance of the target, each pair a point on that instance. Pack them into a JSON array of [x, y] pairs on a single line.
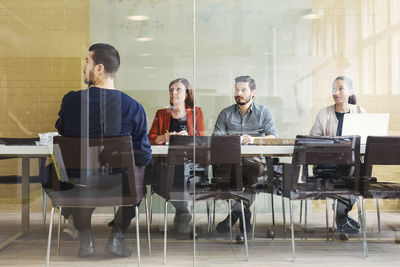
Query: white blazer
[[326, 122]]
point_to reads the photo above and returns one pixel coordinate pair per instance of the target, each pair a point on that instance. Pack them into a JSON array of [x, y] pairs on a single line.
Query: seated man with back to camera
[[110, 113], [249, 120]]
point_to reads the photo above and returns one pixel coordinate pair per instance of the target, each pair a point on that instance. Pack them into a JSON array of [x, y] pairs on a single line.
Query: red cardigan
[[163, 118]]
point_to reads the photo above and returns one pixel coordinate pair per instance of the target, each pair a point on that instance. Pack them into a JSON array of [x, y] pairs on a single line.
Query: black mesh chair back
[[203, 151], [102, 171], [316, 150], [380, 150], [192, 155], [95, 172], [342, 152]]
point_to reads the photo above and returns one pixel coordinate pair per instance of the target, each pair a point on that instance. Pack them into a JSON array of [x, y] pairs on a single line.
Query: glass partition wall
[[210, 43], [156, 43], [42, 45], [270, 42], [292, 49]]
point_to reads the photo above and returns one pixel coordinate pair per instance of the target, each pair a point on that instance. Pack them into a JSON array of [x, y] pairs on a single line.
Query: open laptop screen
[[365, 124]]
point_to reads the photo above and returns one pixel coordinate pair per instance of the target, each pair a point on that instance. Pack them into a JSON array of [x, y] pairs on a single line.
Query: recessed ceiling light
[[145, 55], [149, 68], [144, 39], [313, 15], [138, 17]]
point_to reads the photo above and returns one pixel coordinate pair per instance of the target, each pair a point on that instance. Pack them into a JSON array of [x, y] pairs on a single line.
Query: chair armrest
[[286, 179], [239, 177], [365, 183]]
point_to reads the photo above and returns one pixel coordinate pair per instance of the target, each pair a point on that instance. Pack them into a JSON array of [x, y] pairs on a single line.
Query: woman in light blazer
[[329, 122]]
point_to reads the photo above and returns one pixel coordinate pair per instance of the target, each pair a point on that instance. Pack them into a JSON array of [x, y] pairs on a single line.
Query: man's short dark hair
[[246, 79], [107, 55]]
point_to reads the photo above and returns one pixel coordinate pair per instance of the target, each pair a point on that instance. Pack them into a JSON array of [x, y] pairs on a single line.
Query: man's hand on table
[[247, 139]]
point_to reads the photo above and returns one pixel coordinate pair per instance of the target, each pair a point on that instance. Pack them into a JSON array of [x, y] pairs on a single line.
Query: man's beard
[[88, 81], [242, 103]]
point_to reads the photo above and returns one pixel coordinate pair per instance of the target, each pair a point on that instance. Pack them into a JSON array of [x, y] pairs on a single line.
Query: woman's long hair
[[189, 91], [349, 83]]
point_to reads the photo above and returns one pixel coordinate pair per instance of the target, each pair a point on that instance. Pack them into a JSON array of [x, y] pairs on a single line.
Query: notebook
[[365, 124]]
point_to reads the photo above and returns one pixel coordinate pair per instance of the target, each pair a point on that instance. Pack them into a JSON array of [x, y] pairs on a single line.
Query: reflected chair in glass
[[102, 173], [311, 150], [202, 150], [380, 150], [15, 178]]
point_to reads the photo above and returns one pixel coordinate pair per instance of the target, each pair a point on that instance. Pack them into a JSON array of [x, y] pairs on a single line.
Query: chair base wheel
[[239, 239], [270, 234], [343, 236], [191, 235]]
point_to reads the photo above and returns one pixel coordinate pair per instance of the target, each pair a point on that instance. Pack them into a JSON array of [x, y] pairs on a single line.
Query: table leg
[[25, 195], [10, 240]]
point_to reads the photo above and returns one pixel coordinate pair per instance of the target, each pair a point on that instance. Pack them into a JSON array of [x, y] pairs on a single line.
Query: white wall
[[266, 39]]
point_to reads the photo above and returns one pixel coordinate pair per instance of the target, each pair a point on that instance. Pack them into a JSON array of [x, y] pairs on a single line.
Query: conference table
[[276, 148], [246, 150], [25, 152]]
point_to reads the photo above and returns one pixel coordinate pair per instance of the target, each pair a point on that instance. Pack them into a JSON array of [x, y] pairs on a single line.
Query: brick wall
[[41, 47]]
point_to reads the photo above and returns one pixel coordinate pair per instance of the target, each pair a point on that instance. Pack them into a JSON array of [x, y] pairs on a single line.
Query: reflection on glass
[[293, 49]]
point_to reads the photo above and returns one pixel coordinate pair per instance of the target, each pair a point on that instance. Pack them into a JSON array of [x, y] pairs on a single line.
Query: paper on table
[[47, 138], [273, 141]]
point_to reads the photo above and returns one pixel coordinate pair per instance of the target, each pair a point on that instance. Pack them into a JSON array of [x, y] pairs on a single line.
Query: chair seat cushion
[[319, 191], [383, 190], [89, 197]]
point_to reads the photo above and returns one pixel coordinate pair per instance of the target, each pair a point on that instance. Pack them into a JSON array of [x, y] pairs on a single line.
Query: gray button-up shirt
[[257, 122]]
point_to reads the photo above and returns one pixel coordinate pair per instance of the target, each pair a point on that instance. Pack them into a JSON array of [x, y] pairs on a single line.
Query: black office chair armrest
[[286, 179]]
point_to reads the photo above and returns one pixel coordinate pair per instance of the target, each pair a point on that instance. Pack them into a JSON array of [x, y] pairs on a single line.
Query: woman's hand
[[183, 133], [164, 138]]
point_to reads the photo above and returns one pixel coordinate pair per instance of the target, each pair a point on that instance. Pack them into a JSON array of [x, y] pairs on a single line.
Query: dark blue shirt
[[98, 112]]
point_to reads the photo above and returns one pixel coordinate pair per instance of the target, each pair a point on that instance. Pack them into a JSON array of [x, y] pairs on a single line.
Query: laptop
[[365, 124]]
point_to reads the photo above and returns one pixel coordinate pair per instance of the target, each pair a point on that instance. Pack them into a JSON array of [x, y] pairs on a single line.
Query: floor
[[212, 249]]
